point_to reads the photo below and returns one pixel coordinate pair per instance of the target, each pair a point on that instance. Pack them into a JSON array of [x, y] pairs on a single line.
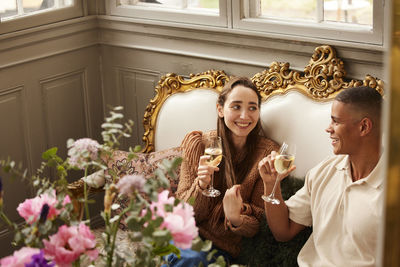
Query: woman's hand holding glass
[[213, 149], [205, 171]]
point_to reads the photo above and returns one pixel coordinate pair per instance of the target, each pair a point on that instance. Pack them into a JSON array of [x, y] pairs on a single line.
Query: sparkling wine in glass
[[283, 162], [214, 150]]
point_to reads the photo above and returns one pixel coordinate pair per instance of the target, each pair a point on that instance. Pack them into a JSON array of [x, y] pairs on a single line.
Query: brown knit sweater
[[223, 234]]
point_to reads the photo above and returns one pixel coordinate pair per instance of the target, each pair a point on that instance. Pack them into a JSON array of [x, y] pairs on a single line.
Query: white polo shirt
[[345, 215]]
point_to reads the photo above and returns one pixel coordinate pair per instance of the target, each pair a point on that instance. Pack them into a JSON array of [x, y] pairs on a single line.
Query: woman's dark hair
[[234, 169]]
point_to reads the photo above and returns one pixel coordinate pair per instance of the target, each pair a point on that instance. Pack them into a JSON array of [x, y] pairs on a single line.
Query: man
[[342, 196]]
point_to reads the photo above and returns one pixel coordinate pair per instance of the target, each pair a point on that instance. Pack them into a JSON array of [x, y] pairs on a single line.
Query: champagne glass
[[283, 162], [214, 150]]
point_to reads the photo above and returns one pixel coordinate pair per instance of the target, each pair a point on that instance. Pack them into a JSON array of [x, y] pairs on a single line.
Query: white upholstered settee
[[295, 108]]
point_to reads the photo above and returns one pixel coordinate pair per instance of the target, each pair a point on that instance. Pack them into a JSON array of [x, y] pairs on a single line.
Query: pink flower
[[30, 209], [82, 151], [19, 257], [69, 243], [127, 184], [180, 222], [163, 200]]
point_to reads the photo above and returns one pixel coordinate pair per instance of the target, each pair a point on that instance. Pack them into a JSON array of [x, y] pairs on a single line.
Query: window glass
[[294, 9], [211, 6], [10, 9], [349, 11], [345, 11]]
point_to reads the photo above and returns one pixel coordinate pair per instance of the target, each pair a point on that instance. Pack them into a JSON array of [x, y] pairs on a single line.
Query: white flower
[[82, 151], [127, 184], [95, 180]]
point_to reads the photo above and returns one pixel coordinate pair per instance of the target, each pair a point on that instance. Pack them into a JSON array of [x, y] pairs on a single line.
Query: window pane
[[211, 6], [14, 8], [160, 3], [349, 11], [8, 8], [206, 4], [293, 9]]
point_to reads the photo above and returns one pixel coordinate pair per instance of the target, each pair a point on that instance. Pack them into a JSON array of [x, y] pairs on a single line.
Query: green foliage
[[264, 250], [143, 225]]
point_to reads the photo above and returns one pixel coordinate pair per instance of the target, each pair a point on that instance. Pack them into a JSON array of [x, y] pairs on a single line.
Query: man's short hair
[[364, 99]]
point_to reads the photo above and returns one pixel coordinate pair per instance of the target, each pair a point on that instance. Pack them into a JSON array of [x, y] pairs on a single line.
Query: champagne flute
[[283, 162], [214, 150]]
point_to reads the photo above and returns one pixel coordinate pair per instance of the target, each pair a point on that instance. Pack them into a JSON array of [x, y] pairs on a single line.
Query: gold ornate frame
[[322, 79], [171, 84]]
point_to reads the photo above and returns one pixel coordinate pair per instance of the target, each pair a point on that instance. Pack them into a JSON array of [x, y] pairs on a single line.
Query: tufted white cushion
[[182, 113], [297, 119]]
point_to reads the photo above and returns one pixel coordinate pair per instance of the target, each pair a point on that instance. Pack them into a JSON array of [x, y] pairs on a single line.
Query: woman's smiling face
[[240, 112]]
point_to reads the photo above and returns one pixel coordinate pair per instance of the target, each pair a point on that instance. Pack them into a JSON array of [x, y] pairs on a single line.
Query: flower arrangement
[[56, 235]]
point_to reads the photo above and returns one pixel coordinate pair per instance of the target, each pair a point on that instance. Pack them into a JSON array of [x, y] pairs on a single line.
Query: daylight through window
[[11, 9]]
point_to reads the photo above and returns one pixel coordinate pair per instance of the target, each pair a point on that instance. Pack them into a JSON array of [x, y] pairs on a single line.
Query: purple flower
[[129, 183], [82, 151], [44, 212], [38, 260], [19, 258]]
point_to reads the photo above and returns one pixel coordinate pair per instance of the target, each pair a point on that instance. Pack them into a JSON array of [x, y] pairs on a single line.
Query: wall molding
[[229, 45], [19, 92], [205, 42], [48, 40], [62, 78]]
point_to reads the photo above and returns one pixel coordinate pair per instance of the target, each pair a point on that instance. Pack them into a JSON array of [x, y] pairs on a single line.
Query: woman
[[239, 209]]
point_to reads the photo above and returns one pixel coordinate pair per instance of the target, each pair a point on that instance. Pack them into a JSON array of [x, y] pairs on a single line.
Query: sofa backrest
[[295, 108]]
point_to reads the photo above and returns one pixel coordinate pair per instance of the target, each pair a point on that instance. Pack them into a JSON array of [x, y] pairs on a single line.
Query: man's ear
[[365, 126], [220, 110]]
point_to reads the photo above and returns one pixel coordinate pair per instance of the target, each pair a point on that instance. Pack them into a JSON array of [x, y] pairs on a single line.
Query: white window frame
[[240, 15], [170, 15], [244, 18], [8, 25]]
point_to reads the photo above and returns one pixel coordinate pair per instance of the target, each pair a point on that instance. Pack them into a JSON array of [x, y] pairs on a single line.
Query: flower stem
[[86, 197], [5, 219], [114, 231]]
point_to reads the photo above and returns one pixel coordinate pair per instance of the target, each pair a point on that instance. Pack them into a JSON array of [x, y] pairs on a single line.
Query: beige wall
[[49, 91]]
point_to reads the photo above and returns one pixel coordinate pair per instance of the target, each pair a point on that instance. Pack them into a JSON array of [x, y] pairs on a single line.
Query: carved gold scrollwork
[[322, 78], [277, 77], [171, 84], [324, 73]]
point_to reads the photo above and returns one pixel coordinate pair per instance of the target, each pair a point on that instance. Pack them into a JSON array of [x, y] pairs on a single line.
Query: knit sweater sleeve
[[253, 206], [188, 186]]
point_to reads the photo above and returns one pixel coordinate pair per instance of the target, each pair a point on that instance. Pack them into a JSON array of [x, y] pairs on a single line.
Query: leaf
[[211, 254], [49, 153], [133, 223], [163, 251], [191, 201], [199, 245], [160, 233]]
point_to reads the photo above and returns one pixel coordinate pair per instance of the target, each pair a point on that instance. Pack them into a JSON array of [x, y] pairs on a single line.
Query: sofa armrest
[[77, 190]]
